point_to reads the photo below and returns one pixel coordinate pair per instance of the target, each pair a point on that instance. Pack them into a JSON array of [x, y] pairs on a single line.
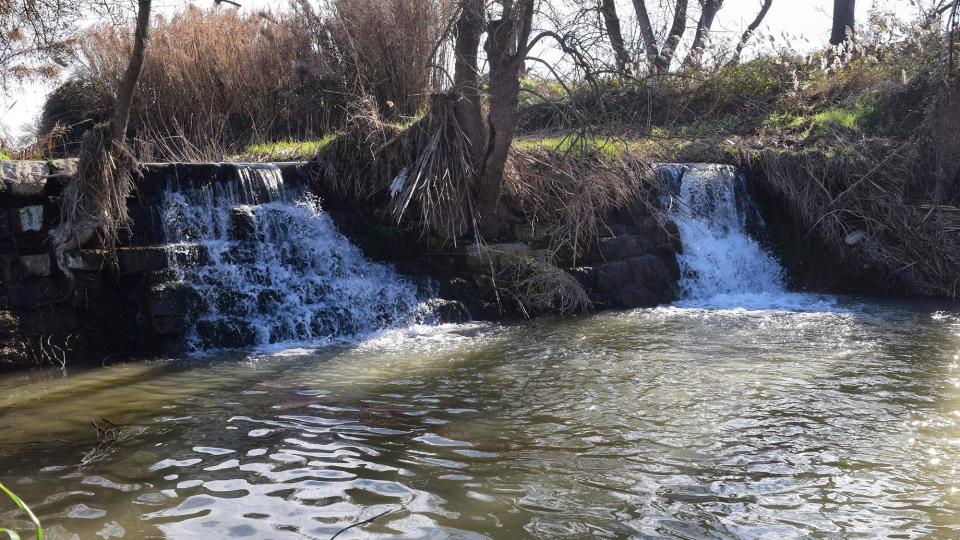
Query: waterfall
[[721, 264], [270, 266]]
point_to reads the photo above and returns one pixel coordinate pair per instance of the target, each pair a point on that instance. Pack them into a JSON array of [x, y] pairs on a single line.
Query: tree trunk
[[844, 16], [707, 16], [608, 8], [677, 29], [506, 50], [466, 77], [748, 33], [128, 85], [646, 32], [659, 59]]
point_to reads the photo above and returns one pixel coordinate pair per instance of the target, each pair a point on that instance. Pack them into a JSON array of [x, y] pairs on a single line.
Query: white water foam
[[271, 268], [722, 265]]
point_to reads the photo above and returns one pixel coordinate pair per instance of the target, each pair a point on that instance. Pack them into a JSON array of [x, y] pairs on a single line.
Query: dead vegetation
[[868, 200]]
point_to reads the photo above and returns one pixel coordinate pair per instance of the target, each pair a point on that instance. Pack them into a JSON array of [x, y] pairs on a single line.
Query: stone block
[[141, 260], [23, 178], [498, 255], [26, 219], [34, 265], [86, 260], [33, 292]]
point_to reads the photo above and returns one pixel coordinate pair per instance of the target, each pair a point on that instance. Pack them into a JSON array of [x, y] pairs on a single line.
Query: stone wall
[[123, 306]]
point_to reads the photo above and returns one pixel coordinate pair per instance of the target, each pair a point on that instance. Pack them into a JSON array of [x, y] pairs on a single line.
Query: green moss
[[290, 147], [4, 156]]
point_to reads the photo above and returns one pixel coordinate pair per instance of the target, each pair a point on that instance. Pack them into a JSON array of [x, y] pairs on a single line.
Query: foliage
[[4, 156], [12, 535]]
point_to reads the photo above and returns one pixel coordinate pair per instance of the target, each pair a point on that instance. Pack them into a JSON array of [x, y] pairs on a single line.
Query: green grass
[[290, 147], [855, 118], [607, 148], [12, 535]]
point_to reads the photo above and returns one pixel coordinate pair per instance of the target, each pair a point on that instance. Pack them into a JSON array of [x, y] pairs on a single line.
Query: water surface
[[838, 421]]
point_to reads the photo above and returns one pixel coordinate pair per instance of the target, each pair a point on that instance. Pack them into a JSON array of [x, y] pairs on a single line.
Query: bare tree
[[660, 58], [36, 37], [751, 29], [611, 21], [844, 21], [708, 13]]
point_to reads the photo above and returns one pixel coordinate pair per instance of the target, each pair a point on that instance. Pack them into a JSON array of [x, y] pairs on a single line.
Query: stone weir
[[133, 307], [224, 255]]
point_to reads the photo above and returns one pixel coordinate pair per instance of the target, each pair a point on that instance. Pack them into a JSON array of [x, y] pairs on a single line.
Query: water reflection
[[682, 423]]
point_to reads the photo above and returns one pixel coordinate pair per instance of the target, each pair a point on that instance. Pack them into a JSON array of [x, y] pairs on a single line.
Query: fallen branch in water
[[364, 522]]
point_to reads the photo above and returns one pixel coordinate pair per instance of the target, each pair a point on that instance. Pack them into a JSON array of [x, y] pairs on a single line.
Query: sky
[[806, 22]]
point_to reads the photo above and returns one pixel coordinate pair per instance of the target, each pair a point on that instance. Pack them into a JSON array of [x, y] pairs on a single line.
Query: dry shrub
[[868, 200], [385, 48], [217, 77], [567, 196], [538, 287]]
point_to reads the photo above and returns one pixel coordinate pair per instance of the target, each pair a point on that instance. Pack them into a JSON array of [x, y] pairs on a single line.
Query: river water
[[669, 422]]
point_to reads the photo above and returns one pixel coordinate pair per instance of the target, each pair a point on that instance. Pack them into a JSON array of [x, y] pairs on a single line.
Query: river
[[669, 422]]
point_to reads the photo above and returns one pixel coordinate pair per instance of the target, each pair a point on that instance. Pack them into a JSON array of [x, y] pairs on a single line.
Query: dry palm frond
[[438, 185], [95, 202]]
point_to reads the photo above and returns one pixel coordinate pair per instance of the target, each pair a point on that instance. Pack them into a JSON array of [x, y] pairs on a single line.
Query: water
[[271, 268], [743, 411], [669, 422]]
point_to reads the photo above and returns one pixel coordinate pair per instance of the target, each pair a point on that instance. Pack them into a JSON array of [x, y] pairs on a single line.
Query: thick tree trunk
[[506, 50], [748, 33], [608, 8], [128, 85], [844, 21], [707, 16], [466, 77]]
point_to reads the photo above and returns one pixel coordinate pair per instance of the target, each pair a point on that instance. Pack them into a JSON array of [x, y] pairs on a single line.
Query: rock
[[23, 178], [243, 223], [441, 311], [643, 281], [33, 292], [34, 265], [172, 308], [12, 350], [141, 260], [30, 178], [855, 237], [233, 333], [27, 219]]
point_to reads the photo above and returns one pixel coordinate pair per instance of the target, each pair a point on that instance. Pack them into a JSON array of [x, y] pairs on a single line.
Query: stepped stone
[[86, 261], [34, 265], [499, 255], [29, 178], [141, 260]]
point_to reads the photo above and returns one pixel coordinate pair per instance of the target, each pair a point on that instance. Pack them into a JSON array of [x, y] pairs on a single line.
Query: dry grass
[[869, 201], [568, 195], [218, 78], [538, 287], [385, 48]]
